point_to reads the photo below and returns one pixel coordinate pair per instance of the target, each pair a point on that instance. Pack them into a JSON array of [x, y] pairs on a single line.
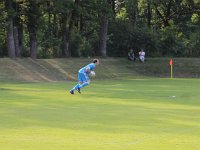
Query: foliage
[[162, 28], [129, 37], [81, 46], [170, 44], [194, 44], [2, 30]]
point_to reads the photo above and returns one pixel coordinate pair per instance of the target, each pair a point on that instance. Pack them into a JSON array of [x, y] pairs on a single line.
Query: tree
[[52, 28], [64, 8], [132, 10], [18, 29], [3, 29], [33, 14], [149, 13], [103, 36], [105, 12], [10, 29]]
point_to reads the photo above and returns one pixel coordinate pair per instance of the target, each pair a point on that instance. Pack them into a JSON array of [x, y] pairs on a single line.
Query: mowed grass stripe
[[112, 114]]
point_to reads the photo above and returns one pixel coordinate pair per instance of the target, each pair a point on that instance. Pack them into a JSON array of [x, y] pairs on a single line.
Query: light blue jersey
[[91, 66], [83, 76]]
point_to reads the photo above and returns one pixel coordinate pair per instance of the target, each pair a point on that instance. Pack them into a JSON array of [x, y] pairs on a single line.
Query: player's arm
[[88, 70]]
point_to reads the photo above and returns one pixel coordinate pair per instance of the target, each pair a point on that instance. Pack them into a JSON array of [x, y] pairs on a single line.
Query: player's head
[[95, 61]]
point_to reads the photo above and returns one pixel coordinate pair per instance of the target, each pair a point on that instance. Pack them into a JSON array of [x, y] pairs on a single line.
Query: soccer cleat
[[79, 90], [71, 92]]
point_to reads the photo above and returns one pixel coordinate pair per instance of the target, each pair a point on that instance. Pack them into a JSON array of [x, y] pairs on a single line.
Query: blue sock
[[84, 84], [76, 87]]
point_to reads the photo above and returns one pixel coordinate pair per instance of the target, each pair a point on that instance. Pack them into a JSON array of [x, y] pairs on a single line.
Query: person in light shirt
[[142, 55]]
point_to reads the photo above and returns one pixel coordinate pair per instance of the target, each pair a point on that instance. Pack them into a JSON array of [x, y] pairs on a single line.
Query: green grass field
[[139, 114]]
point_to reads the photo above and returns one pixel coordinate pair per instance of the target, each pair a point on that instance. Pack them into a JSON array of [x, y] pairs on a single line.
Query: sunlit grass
[[144, 114]]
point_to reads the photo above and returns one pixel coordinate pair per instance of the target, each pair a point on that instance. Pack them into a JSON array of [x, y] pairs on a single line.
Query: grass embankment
[[140, 114], [110, 68]]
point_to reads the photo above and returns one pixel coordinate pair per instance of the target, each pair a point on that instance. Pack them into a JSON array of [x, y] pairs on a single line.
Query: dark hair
[[95, 60]]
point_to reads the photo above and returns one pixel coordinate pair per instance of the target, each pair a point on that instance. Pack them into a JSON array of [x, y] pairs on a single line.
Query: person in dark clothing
[[131, 55]]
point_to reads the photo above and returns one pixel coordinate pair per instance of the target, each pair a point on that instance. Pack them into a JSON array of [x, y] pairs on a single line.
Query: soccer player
[[83, 76]]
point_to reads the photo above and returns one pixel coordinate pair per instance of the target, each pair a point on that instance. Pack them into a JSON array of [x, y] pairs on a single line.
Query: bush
[[79, 46], [44, 53], [123, 36], [194, 45], [86, 49], [25, 52], [171, 44], [49, 47]]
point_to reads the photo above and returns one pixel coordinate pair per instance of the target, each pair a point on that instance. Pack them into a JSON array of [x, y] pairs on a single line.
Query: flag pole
[[171, 71], [171, 67]]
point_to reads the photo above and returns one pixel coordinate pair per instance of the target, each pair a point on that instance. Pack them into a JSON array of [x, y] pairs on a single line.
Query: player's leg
[[84, 84], [84, 81], [77, 85], [82, 78]]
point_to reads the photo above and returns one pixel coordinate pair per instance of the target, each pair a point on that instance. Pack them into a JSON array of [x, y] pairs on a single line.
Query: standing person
[[83, 76], [142, 55]]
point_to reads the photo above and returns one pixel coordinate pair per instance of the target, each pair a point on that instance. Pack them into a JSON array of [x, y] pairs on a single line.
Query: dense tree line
[[65, 28]]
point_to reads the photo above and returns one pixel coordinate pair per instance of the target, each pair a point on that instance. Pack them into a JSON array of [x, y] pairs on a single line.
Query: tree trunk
[[65, 51], [75, 14], [16, 38], [81, 23], [55, 25], [49, 17], [18, 29], [156, 15], [33, 46], [33, 40], [10, 39], [81, 18], [149, 14], [135, 13], [33, 23], [10, 34], [103, 36], [20, 38], [112, 3]]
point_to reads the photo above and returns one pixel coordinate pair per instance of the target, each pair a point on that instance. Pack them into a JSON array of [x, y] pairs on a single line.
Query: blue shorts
[[82, 77]]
